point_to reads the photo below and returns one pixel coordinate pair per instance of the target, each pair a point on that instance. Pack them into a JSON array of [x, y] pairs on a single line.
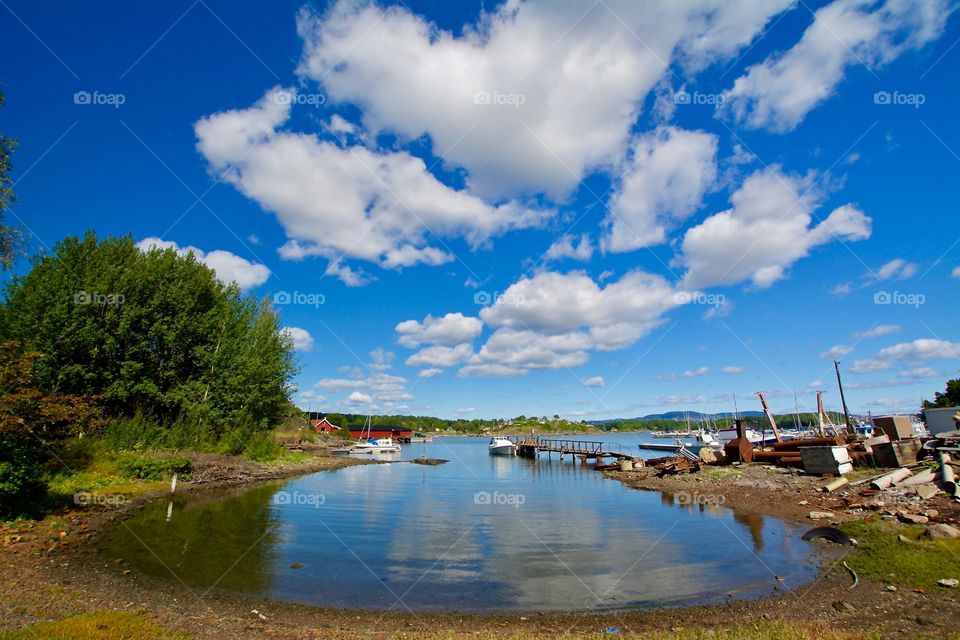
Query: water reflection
[[479, 533]]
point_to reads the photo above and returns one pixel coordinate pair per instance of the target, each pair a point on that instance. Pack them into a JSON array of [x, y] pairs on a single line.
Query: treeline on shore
[[107, 347]]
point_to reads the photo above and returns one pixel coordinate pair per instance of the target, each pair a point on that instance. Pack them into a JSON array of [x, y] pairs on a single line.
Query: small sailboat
[[500, 446], [366, 445]]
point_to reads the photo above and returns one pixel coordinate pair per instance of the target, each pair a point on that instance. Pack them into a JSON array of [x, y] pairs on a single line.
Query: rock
[[941, 532], [891, 588], [843, 606], [296, 565], [912, 518], [931, 513], [903, 538], [950, 583], [803, 502], [821, 515], [927, 491]]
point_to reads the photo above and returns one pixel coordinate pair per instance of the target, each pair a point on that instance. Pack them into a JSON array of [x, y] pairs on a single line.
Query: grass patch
[[98, 625], [918, 564]]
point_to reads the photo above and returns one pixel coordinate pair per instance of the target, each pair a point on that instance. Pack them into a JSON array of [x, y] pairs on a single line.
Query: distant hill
[[681, 416]]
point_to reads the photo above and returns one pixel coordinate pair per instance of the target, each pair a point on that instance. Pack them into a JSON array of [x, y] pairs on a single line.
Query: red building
[[399, 434], [324, 426]]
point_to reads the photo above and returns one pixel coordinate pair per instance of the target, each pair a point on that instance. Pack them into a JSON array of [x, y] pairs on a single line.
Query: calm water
[[478, 533]]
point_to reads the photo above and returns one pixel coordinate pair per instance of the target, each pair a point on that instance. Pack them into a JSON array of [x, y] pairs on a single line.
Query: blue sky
[[591, 209]]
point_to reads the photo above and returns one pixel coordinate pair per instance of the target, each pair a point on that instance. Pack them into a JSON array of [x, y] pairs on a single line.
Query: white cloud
[[897, 268], [842, 289], [382, 359], [581, 72], [695, 373], [429, 373], [450, 329], [733, 370], [836, 351], [880, 330], [335, 202], [552, 320], [778, 93], [921, 350], [595, 381], [664, 179], [358, 397], [919, 373], [955, 273], [816, 384], [229, 267], [301, 338], [439, 356], [566, 247], [463, 411], [764, 233]]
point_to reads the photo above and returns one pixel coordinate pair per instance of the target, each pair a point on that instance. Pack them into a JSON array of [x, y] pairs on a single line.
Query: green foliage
[[21, 474], [155, 468], [949, 398], [98, 625], [149, 332]]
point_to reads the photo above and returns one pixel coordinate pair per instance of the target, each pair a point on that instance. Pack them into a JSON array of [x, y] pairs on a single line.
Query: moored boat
[[500, 446]]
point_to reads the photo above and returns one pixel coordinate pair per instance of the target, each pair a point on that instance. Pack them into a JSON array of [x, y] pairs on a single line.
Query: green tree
[[8, 236], [149, 332], [949, 398]]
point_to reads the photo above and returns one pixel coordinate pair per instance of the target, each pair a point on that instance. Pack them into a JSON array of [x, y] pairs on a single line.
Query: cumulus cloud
[[733, 370], [836, 351], [567, 246], [358, 397], [897, 268], [880, 330], [778, 93], [552, 320], [664, 179], [696, 373], [595, 381], [229, 267], [764, 233], [955, 273], [439, 356], [346, 202], [301, 338], [505, 99], [381, 359], [921, 350], [384, 391], [447, 330], [429, 373]]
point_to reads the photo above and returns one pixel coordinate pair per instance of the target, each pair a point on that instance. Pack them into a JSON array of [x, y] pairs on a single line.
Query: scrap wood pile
[[673, 465]]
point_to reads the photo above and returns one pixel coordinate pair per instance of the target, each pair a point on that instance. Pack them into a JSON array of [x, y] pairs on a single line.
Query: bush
[[21, 475], [262, 447], [156, 468], [134, 434]]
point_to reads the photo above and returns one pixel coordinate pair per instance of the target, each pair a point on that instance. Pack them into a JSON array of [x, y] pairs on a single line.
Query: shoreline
[[70, 560]]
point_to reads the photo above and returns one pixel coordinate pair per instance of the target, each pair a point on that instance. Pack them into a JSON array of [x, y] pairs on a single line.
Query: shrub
[[155, 468], [21, 475]]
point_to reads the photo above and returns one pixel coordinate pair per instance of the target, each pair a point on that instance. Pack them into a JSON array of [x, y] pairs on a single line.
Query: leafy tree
[[949, 398], [149, 332], [8, 236], [30, 421]]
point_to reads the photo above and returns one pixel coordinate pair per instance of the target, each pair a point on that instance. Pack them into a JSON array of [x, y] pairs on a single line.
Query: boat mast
[[846, 414]]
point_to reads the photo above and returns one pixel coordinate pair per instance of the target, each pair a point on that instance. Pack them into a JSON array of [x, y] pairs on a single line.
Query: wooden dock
[[532, 447]]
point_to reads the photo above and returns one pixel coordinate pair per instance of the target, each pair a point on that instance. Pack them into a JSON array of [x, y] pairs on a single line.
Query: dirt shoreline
[[53, 570]]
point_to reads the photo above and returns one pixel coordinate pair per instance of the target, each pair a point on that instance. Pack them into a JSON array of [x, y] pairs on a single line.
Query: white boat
[[367, 445], [500, 446], [698, 441], [728, 434]]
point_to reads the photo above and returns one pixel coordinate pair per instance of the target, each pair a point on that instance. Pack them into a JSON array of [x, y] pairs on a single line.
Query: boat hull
[[503, 450]]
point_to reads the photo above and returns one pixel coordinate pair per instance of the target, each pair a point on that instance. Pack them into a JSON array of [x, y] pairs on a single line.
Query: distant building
[[323, 425]]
